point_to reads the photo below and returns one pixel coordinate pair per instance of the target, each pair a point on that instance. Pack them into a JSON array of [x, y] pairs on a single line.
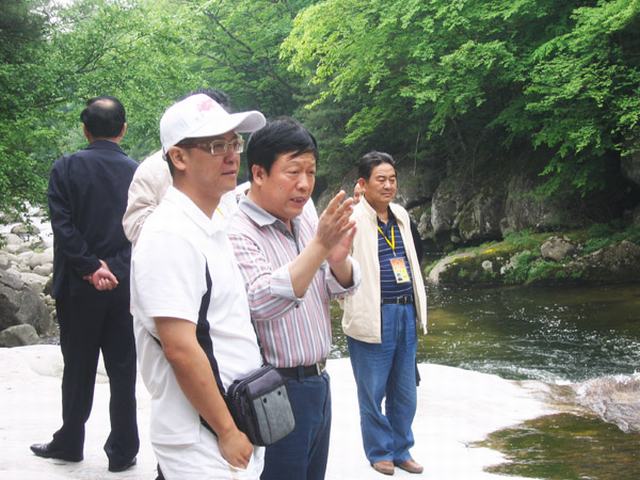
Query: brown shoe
[[384, 466], [411, 466]]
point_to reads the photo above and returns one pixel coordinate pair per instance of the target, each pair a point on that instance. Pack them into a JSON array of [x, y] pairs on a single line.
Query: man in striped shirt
[[292, 265]]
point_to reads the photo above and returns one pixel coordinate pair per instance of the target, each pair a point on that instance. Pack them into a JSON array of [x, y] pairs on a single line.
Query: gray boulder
[[20, 304], [424, 225], [479, 219], [445, 265], [18, 336], [5, 261], [618, 263], [18, 248], [41, 258], [12, 239], [44, 270], [557, 248], [448, 199], [35, 281], [526, 210], [415, 188]]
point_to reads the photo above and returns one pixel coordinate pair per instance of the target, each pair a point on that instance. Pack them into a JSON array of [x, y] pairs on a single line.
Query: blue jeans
[[387, 369], [303, 453]]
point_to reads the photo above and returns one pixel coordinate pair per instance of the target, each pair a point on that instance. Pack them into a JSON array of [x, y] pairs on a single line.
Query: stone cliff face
[[460, 209], [465, 209]]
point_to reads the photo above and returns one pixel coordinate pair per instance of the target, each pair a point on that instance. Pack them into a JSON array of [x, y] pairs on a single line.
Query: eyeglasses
[[218, 147]]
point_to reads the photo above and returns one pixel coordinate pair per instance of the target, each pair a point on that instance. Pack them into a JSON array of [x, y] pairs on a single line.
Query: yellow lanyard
[[391, 243]]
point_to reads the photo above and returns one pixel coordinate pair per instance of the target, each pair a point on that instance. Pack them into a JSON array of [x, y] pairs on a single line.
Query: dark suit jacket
[[87, 199]]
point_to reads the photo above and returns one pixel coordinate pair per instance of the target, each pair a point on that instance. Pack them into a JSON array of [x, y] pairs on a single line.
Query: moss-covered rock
[[519, 260]]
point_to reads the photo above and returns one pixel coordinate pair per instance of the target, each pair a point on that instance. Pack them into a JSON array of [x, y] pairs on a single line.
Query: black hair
[[104, 117], [213, 93], [371, 160], [280, 135]]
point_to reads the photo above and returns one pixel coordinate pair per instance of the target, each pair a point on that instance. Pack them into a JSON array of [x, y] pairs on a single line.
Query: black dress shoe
[[47, 450], [121, 467]]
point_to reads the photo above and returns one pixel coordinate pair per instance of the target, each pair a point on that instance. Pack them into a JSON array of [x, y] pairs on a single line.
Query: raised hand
[[334, 223], [342, 249]]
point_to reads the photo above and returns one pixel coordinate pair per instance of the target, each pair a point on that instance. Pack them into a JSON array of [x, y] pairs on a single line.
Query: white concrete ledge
[[455, 407]]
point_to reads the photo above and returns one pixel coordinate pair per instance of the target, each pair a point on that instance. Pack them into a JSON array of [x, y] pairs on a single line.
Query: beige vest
[[361, 318]]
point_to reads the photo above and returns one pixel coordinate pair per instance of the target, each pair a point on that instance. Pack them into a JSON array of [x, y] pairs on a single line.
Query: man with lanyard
[[380, 319], [292, 265]]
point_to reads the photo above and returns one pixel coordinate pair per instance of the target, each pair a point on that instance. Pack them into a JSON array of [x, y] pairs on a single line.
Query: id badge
[[400, 271]]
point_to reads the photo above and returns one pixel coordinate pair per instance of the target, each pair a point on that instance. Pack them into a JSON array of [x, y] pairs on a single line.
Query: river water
[[583, 342]]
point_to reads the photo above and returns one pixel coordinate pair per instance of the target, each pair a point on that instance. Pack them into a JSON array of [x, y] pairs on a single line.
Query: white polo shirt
[[168, 280]]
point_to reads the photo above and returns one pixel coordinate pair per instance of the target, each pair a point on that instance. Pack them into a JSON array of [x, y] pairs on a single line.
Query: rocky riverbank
[[600, 254], [27, 311]]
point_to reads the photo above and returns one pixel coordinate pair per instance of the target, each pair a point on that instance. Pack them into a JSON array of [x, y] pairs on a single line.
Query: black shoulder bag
[[258, 401]]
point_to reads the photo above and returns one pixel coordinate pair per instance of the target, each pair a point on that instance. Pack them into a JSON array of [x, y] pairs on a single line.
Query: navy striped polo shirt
[[389, 288]]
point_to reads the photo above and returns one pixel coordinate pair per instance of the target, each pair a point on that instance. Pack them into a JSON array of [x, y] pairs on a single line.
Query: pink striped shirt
[[292, 331]]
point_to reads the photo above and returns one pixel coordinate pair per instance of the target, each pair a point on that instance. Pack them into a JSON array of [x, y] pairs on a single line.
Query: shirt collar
[[191, 210], [262, 218], [390, 221], [105, 144], [373, 214]]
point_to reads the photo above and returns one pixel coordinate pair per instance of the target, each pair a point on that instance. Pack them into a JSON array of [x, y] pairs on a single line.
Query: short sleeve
[[168, 274]]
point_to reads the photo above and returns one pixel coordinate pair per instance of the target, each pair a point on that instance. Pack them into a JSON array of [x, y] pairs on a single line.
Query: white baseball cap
[[200, 116]]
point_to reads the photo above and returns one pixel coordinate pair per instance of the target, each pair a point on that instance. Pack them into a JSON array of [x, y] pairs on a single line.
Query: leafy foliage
[[448, 84], [481, 77]]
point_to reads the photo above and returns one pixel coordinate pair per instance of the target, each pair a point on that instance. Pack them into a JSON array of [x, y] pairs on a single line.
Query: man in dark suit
[[87, 198]]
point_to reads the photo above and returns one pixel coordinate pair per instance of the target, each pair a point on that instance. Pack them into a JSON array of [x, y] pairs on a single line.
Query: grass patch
[[520, 267]]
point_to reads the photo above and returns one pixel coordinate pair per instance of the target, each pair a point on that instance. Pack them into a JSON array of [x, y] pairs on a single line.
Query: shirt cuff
[[281, 285], [334, 286]]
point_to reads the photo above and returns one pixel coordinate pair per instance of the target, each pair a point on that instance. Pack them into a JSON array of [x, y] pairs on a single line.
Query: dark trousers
[[90, 322], [303, 453]]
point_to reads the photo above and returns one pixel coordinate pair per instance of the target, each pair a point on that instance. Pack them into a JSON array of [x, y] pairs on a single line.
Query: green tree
[[22, 29], [476, 80], [583, 93]]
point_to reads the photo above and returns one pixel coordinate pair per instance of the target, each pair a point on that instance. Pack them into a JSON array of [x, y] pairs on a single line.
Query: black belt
[[302, 371], [403, 300]]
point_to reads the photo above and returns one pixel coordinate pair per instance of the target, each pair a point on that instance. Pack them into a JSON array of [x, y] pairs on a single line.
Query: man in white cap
[[152, 179], [188, 300]]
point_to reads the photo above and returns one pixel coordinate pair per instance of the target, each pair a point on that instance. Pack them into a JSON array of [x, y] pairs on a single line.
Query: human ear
[[177, 156], [258, 174]]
